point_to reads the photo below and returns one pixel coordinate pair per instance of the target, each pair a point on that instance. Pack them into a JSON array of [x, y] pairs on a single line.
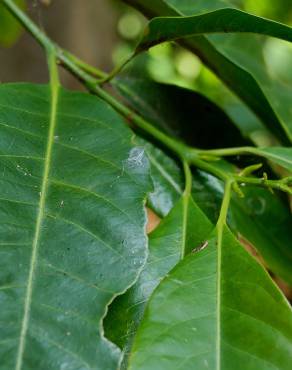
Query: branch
[[282, 184], [86, 74]]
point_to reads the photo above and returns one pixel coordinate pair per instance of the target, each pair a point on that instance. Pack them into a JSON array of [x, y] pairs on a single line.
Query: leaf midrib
[[220, 230], [35, 244]]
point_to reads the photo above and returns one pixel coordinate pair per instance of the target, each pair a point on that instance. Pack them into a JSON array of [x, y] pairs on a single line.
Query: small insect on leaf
[[201, 247]]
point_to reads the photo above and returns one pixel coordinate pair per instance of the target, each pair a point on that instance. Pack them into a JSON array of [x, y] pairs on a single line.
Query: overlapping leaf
[[239, 71], [72, 226], [265, 221], [203, 315], [260, 217], [281, 156], [183, 230], [181, 112], [162, 29], [72, 193], [168, 180]]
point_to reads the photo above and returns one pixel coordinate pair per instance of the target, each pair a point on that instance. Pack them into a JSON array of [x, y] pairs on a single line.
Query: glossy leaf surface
[[238, 71], [72, 226], [278, 155], [167, 177], [219, 21], [202, 316], [265, 221], [260, 217], [175, 236], [181, 112]]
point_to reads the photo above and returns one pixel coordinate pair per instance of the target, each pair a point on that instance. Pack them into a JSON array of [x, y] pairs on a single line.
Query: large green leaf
[[180, 232], [181, 112], [72, 226], [217, 309], [250, 57], [236, 68], [162, 29], [10, 28]]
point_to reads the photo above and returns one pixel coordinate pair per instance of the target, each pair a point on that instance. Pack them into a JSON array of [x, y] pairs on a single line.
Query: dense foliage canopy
[[82, 285]]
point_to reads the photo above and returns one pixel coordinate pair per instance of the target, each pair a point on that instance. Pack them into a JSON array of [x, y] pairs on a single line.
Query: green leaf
[[276, 92], [73, 225], [203, 315], [176, 236], [265, 221], [260, 217], [167, 6], [279, 155], [237, 69], [167, 177], [181, 112], [10, 29], [200, 6], [163, 29]]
